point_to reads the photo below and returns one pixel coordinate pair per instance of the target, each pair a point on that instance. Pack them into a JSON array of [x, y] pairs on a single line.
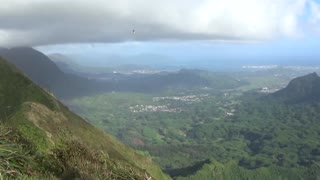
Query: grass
[[14, 160], [78, 161], [29, 131], [69, 159], [43, 139]]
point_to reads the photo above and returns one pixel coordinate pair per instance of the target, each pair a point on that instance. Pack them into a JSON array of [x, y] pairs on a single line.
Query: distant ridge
[[65, 84], [44, 72], [301, 89], [56, 143], [33, 63], [64, 63]]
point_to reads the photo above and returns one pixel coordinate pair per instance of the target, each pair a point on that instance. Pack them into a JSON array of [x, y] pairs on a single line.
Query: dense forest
[[249, 130]]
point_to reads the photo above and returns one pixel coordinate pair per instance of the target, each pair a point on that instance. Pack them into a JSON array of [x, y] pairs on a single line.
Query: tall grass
[[79, 161], [13, 160]]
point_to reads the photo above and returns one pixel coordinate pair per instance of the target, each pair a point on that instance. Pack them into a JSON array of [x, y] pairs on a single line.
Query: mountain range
[[69, 84], [40, 137], [38, 130]]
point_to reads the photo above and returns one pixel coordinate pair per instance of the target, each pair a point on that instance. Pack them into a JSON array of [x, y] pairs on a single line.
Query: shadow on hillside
[[187, 171]]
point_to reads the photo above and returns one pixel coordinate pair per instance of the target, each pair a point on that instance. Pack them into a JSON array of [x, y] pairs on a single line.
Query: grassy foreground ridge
[[40, 137]]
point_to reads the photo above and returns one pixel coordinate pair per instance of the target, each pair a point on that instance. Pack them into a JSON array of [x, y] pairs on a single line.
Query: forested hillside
[[252, 133], [40, 137]]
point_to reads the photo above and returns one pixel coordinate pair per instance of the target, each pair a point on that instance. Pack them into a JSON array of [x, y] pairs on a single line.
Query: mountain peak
[[301, 89], [311, 75]]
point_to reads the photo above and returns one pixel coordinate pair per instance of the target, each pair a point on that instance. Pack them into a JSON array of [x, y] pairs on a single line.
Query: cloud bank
[[315, 17], [46, 22]]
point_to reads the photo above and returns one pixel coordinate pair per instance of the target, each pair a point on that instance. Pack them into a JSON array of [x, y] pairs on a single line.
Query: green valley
[[160, 90], [237, 128], [193, 123]]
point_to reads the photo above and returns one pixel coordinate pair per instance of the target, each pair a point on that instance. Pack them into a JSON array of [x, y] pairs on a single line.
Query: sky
[[178, 29]]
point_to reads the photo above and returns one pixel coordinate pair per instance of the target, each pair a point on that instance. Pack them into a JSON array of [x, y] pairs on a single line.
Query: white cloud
[[315, 16], [41, 22], [290, 24]]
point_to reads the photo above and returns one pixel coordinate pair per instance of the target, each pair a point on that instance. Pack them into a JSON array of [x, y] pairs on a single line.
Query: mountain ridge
[[301, 89], [59, 141], [44, 72]]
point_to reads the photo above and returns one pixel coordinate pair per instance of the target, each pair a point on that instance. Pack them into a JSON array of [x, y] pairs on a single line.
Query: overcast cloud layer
[[45, 22]]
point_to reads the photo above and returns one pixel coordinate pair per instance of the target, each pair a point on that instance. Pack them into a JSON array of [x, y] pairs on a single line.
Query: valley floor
[[185, 129]]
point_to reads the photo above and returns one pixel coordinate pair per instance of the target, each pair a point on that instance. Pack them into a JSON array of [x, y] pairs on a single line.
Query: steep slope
[[3, 50], [301, 89], [64, 63], [58, 142], [46, 73], [34, 63]]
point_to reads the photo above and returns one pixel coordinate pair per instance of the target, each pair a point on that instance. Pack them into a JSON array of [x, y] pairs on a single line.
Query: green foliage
[[16, 89], [78, 161], [260, 139], [29, 130], [50, 133], [302, 89], [231, 171], [252, 137], [13, 160]]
